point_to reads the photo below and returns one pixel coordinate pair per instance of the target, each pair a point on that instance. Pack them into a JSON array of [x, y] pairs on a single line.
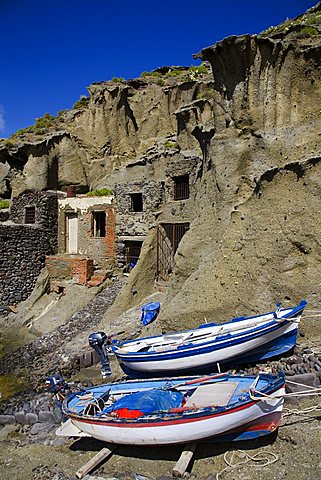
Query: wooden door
[[71, 232], [168, 237]]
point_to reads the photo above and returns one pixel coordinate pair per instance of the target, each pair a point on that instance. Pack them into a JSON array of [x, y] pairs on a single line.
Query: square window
[[30, 214], [136, 202], [181, 187], [99, 224]]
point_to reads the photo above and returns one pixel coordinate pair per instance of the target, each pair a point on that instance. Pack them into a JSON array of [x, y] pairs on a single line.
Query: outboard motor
[[57, 385], [98, 342]]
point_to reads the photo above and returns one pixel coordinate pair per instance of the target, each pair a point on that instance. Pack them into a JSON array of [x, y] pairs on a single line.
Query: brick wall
[[110, 238], [62, 268]]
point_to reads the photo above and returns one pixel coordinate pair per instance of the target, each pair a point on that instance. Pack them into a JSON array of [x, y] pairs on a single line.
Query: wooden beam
[[184, 460], [98, 458]]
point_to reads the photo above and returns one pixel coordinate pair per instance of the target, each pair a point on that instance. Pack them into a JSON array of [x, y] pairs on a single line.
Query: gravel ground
[[34, 451]]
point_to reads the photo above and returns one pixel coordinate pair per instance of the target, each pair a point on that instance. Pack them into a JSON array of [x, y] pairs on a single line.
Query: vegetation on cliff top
[[306, 25], [81, 103], [192, 73], [42, 125]]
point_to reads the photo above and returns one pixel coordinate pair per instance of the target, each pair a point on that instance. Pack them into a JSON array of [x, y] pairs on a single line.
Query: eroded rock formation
[[254, 121]]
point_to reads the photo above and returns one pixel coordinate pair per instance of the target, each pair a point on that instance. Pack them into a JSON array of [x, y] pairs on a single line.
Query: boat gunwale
[[236, 337], [193, 349], [190, 415]]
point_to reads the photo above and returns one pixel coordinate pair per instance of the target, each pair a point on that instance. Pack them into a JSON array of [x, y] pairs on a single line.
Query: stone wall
[[136, 224], [23, 247]]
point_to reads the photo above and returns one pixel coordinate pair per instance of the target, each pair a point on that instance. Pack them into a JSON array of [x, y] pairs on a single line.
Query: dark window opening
[[30, 215], [181, 187], [99, 224], [136, 202], [133, 249]]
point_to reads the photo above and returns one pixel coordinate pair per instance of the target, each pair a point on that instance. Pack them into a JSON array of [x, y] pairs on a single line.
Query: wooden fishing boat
[[177, 410], [241, 340]]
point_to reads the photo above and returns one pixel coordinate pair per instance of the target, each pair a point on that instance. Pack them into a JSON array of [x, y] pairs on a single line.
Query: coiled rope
[[265, 458]]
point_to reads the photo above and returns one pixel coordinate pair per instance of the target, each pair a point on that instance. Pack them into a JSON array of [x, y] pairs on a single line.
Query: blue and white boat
[[177, 410], [241, 340]]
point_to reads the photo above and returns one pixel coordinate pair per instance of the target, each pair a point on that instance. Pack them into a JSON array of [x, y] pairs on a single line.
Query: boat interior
[[213, 393], [204, 333]]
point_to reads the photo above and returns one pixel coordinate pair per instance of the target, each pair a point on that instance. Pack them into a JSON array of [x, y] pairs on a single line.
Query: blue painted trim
[[294, 312], [273, 383], [271, 349], [191, 349], [203, 348]]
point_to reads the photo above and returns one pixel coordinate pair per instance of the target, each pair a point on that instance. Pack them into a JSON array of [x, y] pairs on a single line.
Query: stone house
[[28, 232], [86, 240], [156, 191]]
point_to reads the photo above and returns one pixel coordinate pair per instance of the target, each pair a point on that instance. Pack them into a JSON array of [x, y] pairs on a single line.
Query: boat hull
[[242, 418], [205, 359], [237, 424]]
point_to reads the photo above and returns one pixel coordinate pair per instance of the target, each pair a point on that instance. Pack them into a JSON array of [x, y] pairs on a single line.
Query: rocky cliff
[[252, 112]]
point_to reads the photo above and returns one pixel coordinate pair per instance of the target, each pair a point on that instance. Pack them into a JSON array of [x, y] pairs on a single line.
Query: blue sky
[[52, 50]]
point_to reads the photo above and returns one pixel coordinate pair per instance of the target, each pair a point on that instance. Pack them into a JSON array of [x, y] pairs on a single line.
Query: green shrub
[[22, 131], [45, 122], [154, 73], [42, 124], [169, 144], [118, 80], [282, 27], [4, 204], [81, 103], [173, 72], [304, 21], [102, 192], [313, 19], [306, 32], [198, 70]]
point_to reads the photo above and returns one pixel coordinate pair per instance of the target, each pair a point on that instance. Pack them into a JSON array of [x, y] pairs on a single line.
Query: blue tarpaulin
[[149, 401], [149, 312]]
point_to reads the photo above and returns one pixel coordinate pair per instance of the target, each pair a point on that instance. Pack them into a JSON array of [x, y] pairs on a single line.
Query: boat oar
[[201, 380]]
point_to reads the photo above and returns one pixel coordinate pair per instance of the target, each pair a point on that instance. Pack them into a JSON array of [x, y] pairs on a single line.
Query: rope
[[266, 457], [304, 412], [314, 391], [300, 384]]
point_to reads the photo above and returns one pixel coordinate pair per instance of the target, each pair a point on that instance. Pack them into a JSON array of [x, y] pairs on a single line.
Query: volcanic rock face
[[254, 120], [120, 122], [257, 231]]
